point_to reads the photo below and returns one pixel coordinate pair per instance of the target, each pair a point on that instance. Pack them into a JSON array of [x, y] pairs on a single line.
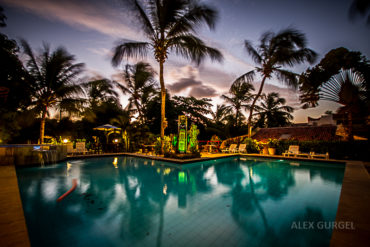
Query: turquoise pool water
[[126, 201]]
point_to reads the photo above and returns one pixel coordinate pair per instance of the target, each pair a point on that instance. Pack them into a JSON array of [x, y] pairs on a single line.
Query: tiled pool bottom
[[127, 201]]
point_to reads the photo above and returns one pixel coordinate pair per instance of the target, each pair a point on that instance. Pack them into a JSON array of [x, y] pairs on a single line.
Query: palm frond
[[193, 48], [193, 18], [292, 57], [129, 49], [145, 21], [32, 62], [252, 52], [247, 77], [287, 77]]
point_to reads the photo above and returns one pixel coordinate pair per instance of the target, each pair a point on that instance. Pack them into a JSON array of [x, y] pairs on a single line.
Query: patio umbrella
[[108, 129]]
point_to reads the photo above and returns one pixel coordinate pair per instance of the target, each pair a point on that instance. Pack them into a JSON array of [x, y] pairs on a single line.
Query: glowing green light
[[182, 177]]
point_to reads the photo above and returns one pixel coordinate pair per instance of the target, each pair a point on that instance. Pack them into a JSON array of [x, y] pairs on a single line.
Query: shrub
[[272, 143], [166, 146], [252, 145]]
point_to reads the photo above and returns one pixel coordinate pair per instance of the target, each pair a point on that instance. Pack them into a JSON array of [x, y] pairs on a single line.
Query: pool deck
[[353, 207], [353, 204], [13, 230]]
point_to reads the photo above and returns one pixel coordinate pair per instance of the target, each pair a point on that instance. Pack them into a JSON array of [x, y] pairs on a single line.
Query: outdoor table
[[147, 147], [210, 147]]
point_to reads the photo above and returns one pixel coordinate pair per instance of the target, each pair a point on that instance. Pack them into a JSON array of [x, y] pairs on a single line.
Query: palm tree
[[99, 90], [53, 77], [348, 89], [123, 121], [240, 94], [273, 112], [286, 48], [220, 114], [140, 85], [170, 25]]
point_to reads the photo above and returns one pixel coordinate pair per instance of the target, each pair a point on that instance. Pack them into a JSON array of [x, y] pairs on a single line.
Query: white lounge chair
[[233, 148], [80, 147], [294, 150], [242, 148]]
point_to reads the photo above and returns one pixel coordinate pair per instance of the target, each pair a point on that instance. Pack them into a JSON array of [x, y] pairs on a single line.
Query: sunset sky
[[90, 29]]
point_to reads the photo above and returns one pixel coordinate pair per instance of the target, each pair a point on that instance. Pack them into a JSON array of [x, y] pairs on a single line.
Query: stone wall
[[31, 155]]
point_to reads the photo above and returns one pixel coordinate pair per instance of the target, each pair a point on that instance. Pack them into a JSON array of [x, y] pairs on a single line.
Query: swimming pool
[[127, 201]]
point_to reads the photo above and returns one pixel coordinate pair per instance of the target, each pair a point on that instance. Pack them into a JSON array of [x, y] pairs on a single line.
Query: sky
[[89, 29]]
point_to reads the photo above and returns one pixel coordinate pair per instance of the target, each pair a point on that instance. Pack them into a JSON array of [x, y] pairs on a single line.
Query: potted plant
[[262, 147], [272, 144]]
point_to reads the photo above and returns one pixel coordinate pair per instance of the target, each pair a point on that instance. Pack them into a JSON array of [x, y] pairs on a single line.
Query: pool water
[[126, 201]]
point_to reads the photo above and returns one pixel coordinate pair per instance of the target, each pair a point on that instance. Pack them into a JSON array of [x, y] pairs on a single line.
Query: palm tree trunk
[[42, 125], [163, 99], [254, 103]]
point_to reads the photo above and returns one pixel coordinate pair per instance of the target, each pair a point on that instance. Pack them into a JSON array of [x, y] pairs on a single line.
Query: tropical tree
[[53, 76], [285, 48], [99, 90], [336, 59], [170, 26], [123, 121], [347, 88], [219, 116], [14, 89], [140, 85], [195, 109], [272, 112], [240, 95]]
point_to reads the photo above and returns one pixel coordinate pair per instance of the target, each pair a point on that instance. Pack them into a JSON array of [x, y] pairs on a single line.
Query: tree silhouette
[[170, 26]]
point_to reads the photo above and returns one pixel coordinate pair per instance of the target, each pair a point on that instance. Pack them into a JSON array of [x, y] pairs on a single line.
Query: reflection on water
[[137, 202]]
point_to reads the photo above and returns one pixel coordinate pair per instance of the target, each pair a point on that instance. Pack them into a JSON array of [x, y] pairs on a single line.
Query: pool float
[[74, 185]]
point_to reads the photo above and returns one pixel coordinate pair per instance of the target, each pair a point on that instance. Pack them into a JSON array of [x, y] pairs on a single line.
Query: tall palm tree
[[346, 88], [53, 77], [285, 48], [273, 112], [170, 26], [140, 85], [240, 94]]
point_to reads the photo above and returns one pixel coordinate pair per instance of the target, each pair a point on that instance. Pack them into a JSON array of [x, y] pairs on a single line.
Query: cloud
[[290, 95], [202, 91], [94, 15], [187, 82], [102, 52], [183, 84]]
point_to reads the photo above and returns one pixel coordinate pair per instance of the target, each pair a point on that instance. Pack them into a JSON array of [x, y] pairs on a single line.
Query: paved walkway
[[353, 209], [13, 230]]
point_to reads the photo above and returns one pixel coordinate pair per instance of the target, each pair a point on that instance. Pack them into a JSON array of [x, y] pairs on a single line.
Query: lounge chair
[[314, 155], [242, 148], [294, 150], [223, 147], [80, 147], [233, 148], [70, 149]]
